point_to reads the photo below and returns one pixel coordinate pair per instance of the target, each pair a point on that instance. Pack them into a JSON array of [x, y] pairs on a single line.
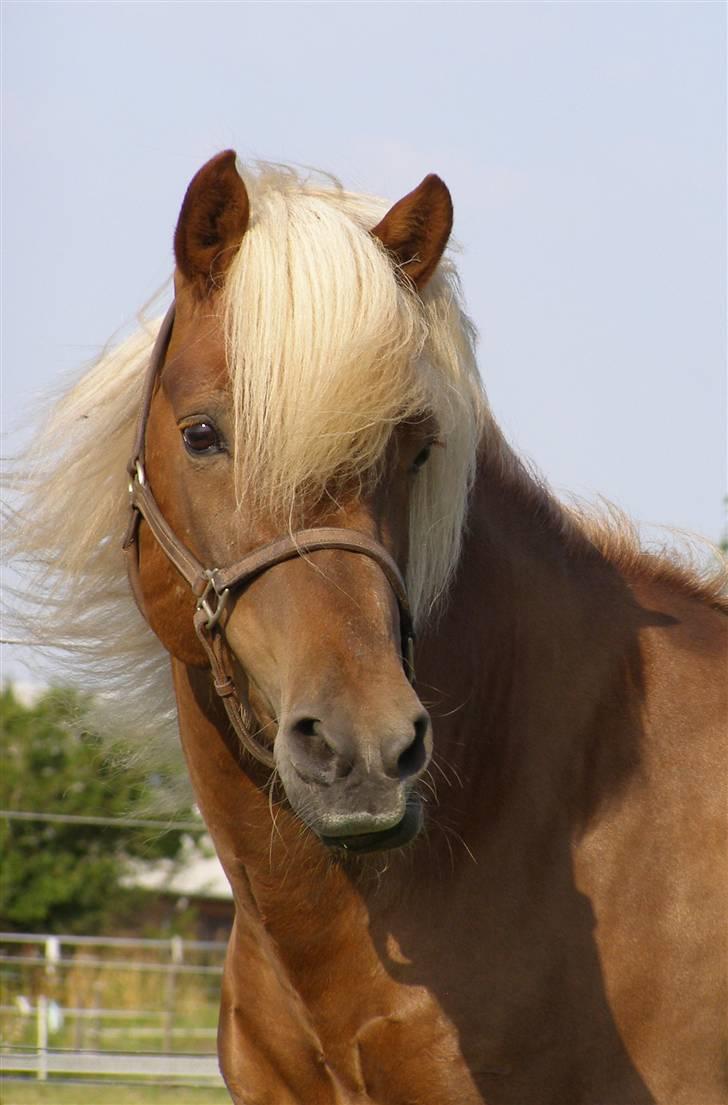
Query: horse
[[458, 745]]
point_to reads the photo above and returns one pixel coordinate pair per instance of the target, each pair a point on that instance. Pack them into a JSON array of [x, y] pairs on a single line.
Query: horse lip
[[394, 836], [347, 827]]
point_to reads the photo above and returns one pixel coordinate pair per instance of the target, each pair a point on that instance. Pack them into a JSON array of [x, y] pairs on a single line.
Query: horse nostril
[[412, 760], [306, 727], [313, 753]]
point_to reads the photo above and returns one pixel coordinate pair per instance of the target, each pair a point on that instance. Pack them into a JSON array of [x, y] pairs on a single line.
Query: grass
[[33, 1092]]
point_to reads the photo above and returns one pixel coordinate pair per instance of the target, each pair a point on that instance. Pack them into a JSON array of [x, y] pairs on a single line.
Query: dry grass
[[33, 1092]]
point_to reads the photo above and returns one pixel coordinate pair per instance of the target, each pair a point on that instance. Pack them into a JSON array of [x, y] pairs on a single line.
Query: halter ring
[[203, 603]]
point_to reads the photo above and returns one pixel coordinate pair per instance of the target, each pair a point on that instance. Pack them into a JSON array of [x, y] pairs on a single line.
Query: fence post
[[41, 1011], [52, 950], [93, 1033], [52, 955], [176, 947]]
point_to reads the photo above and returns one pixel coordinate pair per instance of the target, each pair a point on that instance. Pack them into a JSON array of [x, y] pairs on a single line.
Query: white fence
[[44, 1013], [165, 1067]]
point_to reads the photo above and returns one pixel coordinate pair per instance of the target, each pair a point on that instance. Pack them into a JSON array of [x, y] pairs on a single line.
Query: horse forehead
[[196, 364]]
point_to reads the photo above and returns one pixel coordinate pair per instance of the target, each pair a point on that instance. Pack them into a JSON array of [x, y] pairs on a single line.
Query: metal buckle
[[139, 475], [213, 615]]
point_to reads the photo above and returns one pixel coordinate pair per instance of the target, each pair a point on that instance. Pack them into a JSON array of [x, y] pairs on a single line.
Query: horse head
[[313, 642]]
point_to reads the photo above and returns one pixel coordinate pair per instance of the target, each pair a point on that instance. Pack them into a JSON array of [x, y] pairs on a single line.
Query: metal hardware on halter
[[137, 473], [213, 616]]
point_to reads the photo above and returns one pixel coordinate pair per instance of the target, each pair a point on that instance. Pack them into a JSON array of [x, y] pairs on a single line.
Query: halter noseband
[[212, 587]]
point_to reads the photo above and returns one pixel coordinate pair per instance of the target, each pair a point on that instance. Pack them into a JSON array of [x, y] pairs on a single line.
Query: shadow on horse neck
[[536, 693], [533, 677]]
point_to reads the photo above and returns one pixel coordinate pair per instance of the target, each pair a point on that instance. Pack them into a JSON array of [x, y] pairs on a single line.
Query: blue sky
[[584, 145]]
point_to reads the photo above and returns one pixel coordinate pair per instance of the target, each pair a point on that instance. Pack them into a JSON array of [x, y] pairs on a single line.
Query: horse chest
[[346, 1030]]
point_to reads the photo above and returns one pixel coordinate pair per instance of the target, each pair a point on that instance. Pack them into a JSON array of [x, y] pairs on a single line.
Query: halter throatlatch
[[213, 588]]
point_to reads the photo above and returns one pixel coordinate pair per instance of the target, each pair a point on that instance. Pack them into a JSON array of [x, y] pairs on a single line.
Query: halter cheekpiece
[[213, 587]]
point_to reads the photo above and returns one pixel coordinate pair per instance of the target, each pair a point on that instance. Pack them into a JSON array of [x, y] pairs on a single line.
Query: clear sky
[[584, 145]]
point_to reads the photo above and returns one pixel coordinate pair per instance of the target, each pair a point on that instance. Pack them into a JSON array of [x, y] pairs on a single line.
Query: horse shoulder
[[684, 693], [654, 863]]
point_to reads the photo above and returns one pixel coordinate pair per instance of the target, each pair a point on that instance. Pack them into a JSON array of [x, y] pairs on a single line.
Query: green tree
[[67, 877]]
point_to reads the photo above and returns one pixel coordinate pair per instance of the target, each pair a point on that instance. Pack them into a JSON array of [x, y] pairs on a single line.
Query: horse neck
[[266, 856], [534, 655]]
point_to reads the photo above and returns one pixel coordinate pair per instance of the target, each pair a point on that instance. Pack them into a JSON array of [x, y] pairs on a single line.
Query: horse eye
[[201, 437], [421, 458]]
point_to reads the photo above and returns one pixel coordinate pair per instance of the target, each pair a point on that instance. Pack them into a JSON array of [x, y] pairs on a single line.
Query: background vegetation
[[59, 877]]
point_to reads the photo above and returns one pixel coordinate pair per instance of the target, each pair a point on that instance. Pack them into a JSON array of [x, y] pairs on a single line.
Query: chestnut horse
[[502, 882]]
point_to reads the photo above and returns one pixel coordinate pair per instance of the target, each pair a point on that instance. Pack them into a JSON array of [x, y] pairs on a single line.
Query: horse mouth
[[394, 837]]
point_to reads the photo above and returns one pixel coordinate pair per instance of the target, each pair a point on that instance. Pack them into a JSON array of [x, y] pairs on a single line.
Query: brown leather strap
[[206, 582], [156, 360], [188, 566], [239, 713], [307, 541]]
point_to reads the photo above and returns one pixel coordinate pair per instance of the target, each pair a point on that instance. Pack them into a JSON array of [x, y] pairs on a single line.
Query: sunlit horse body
[[554, 934]]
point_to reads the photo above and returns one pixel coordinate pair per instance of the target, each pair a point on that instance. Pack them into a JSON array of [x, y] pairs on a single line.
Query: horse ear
[[417, 228], [212, 222]]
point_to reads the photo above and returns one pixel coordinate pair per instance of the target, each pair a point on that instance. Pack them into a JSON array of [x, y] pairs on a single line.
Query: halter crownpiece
[[212, 587]]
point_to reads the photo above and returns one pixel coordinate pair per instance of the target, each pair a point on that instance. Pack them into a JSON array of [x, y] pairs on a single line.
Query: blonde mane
[[327, 351], [63, 532]]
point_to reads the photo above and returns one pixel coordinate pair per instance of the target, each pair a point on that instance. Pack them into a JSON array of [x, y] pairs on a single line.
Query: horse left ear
[[212, 222], [417, 228]]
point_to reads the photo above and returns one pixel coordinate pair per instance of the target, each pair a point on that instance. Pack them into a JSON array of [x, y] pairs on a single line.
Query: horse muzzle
[[357, 795]]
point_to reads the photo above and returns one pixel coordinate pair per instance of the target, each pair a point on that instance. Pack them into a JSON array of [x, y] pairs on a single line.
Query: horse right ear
[[212, 222], [415, 231]]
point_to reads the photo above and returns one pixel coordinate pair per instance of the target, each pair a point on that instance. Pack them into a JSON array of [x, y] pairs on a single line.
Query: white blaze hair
[[327, 351]]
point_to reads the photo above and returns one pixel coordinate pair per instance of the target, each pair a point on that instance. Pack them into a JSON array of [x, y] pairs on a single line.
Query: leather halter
[[212, 587]]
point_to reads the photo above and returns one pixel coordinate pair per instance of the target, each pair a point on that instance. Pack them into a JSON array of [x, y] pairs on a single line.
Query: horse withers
[[489, 870]]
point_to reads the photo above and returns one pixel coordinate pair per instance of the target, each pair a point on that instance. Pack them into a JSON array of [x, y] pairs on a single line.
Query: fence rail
[[125, 1063], [117, 965], [50, 939]]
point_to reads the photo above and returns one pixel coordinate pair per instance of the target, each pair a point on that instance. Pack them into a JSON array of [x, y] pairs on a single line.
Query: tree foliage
[[68, 877]]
